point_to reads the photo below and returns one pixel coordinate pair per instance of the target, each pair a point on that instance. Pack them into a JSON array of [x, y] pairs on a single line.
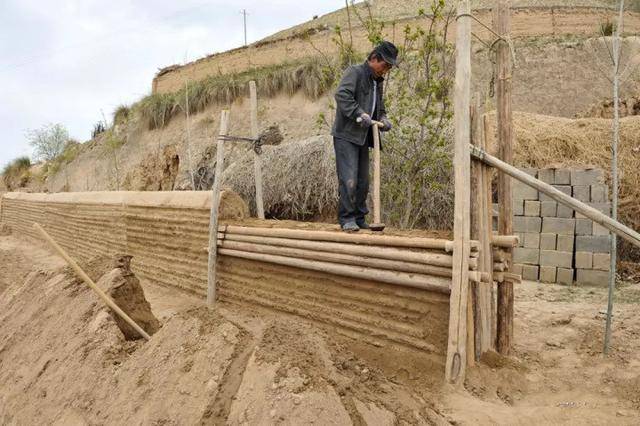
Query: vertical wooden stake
[[215, 205], [257, 160], [456, 349], [502, 26]]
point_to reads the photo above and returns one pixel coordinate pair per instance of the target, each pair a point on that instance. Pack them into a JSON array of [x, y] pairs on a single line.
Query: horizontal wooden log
[[433, 259], [423, 282], [506, 241], [342, 237], [612, 225]]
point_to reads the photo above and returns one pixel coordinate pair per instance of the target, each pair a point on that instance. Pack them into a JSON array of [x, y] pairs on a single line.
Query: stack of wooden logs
[[418, 262]]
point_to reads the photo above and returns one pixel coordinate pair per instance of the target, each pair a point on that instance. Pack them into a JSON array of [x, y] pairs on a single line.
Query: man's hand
[[365, 120], [387, 125]]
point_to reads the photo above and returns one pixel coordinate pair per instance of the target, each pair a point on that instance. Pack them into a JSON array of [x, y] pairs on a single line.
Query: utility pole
[[244, 17]]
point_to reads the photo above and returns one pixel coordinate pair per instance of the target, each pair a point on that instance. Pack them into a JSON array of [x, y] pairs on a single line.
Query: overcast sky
[[67, 61]]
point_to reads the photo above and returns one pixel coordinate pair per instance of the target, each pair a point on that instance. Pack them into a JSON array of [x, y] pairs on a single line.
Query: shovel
[[377, 225]]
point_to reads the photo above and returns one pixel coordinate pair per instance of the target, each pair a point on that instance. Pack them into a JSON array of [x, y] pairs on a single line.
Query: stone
[[565, 243], [520, 191], [562, 188], [602, 261], [586, 177], [530, 272], [518, 207], [592, 277], [559, 226], [548, 241], [531, 240], [548, 274], [530, 171], [593, 243], [584, 260], [584, 227], [561, 259], [526, 224], [599, 229], [526, 256], [532, 208], [564, 211], [564, 276], [548, 208], [547, 176], [582, 193], [599, 193], [563, 177], [516, 268]]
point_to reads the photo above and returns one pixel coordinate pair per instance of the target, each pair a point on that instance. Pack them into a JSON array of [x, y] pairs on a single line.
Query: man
[[359, 100]]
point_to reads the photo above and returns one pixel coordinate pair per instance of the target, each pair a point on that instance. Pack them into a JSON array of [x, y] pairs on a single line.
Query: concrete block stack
[[558, 245]]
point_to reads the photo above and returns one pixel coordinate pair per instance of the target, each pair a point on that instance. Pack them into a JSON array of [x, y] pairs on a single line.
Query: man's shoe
[[362, 225], [350, 227]]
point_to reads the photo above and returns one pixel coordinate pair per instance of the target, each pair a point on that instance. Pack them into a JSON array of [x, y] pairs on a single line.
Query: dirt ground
[[63, 360]]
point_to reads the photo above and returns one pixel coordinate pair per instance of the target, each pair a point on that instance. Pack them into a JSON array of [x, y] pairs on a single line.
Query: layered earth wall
[[167, 235]]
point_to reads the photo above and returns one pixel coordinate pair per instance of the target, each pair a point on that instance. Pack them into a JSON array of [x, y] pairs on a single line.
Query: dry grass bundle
[[299, 179], [543, 141], [309, 77]]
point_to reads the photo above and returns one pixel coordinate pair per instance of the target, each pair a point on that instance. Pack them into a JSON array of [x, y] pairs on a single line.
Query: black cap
[[388, 52]]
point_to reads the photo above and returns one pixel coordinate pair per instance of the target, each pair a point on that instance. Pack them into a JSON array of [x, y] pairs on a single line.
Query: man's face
[[379, 67]]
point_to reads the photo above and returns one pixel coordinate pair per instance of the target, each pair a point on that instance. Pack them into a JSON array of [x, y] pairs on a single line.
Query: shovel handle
[[373, 122]]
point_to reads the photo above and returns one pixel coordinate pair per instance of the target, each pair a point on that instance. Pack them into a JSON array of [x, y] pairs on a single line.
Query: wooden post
[[215, 205], [106, 299], [257, 160], [502, 26], [456, 350]]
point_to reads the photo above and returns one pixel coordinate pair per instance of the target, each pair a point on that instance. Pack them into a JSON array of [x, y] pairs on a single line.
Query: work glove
[[365, 120], [387, 125]]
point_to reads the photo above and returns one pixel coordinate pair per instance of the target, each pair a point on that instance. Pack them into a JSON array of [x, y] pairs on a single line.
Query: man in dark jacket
[[359, 100]]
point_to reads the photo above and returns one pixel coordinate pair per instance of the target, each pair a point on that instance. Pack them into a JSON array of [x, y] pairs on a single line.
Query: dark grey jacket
[[354, 97]]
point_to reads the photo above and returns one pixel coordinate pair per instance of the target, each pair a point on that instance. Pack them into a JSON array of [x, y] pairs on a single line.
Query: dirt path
[[63, 360]]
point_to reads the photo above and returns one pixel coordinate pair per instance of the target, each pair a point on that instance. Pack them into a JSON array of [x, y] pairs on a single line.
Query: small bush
[[121, 115], [98, 129], [16, 174], [607, 28]]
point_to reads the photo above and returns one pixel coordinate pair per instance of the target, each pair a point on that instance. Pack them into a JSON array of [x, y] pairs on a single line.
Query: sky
[[71, 61]]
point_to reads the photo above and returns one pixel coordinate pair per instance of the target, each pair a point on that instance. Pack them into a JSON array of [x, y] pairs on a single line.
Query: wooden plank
[[215, 205], [502, 26], [457, 344], [257, 159]]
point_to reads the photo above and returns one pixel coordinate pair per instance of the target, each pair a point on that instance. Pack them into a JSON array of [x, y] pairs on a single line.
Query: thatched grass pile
[[299, 180], [311, 77]]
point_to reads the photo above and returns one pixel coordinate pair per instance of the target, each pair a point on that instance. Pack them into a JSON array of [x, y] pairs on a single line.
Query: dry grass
[[543, 141], [299, 179], [312, 78]]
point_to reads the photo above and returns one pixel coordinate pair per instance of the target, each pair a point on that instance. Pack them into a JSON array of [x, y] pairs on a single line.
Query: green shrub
[[17, 173], [121, 115]]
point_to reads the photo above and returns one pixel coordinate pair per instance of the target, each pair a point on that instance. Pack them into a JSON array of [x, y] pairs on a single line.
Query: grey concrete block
[[563, 177], [586, 177], [599, 229], [564, 276], [582, 193], [561, 259], [548, 274], [526, 224], [530, 171], [564, 212], [584, 227], [565, 243], [516, 268], [599, 193], [548, 241], [592, 277], [593, 243], [584, 260], [520, 236], [562, 188], [548, 208], [520, 191], [531, 240], [530, 272], [517, 207], [547, 176], [526, 256], [604, 208], [495, 209], [554, 225], [602, 261], [532, 208]]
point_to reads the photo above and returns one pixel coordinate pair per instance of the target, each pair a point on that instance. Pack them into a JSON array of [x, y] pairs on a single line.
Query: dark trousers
[[352, 164]]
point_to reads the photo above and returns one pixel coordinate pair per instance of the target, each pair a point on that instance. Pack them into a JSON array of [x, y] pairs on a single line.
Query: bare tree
[[48, 142]]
